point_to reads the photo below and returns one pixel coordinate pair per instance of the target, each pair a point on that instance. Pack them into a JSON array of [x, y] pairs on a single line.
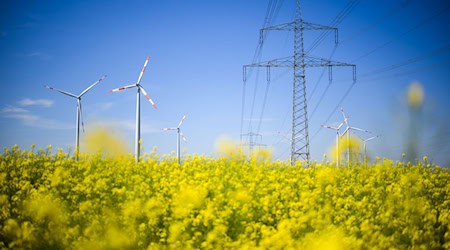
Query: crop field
[[52, 201]]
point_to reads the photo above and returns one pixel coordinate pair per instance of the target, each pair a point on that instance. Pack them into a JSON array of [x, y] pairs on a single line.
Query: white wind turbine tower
[[179, 134], [347, 131], [337, 138], [79, 111], [137, 85], [365, 146]]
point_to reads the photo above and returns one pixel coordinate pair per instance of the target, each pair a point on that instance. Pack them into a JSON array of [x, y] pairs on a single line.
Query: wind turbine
[[79, 110], [337, 138], [137, 85], [347, 131], [179, 134], [365, 146]]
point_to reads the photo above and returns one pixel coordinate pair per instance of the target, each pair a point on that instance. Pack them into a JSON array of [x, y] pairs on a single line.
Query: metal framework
[[299, 62], [253, 139]]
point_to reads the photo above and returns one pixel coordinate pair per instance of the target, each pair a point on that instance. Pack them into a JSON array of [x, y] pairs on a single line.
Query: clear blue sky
[[197, 50]]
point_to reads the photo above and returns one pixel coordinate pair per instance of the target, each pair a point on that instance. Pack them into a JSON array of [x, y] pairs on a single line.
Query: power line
[[403, 34], [439, 51], [317, 84], [432, 66], [264, 100], [274, 15], [336, 21], [335, 108], [392, 12], [381, 19], [272, 11], [242, 107], [374, 50], [407, 62], [326, 89], [413, 71]]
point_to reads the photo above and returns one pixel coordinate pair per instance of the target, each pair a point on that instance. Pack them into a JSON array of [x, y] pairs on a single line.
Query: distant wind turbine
[[137, 85], [179, 134], [347, 131], [337, 138], [365, 146], [79, 110]]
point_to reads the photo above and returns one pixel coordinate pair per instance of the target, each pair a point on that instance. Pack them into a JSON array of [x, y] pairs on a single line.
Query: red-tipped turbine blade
[[60, 91], [182, 137], [324, 126], [122, 88], [92, 85], [343, 122], [343, 114], [148, 97], [143, 69], [182, 119], [359, 129]]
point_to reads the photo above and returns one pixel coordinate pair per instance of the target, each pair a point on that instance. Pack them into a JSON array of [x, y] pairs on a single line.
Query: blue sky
[[197, 50]]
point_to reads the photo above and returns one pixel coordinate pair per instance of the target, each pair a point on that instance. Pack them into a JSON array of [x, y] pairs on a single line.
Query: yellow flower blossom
[[51, 201]]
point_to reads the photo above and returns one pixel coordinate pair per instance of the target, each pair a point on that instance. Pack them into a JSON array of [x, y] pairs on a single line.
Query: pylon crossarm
[[322, 62], [283, 26], [315, 26], [279, 62], [291, 26], [306, 26], [310, 62]]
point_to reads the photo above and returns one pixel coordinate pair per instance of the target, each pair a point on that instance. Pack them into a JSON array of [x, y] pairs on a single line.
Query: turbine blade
[[181, 122], [148, 97], [122, 88], [143, 69], [359, 129], [362, 139], [345, 131], [182, 137], [92, 85], [343, 122], [168, 129], [81, 116], [60, 91], [345, 117], [324, 126], [371, 138]]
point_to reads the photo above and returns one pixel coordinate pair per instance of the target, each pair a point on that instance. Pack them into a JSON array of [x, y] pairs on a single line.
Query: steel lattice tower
[[298, 62], [300, 136]]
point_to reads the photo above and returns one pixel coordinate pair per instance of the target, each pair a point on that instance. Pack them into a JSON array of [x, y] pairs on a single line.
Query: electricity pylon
[[253, 139], [299, 61]]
